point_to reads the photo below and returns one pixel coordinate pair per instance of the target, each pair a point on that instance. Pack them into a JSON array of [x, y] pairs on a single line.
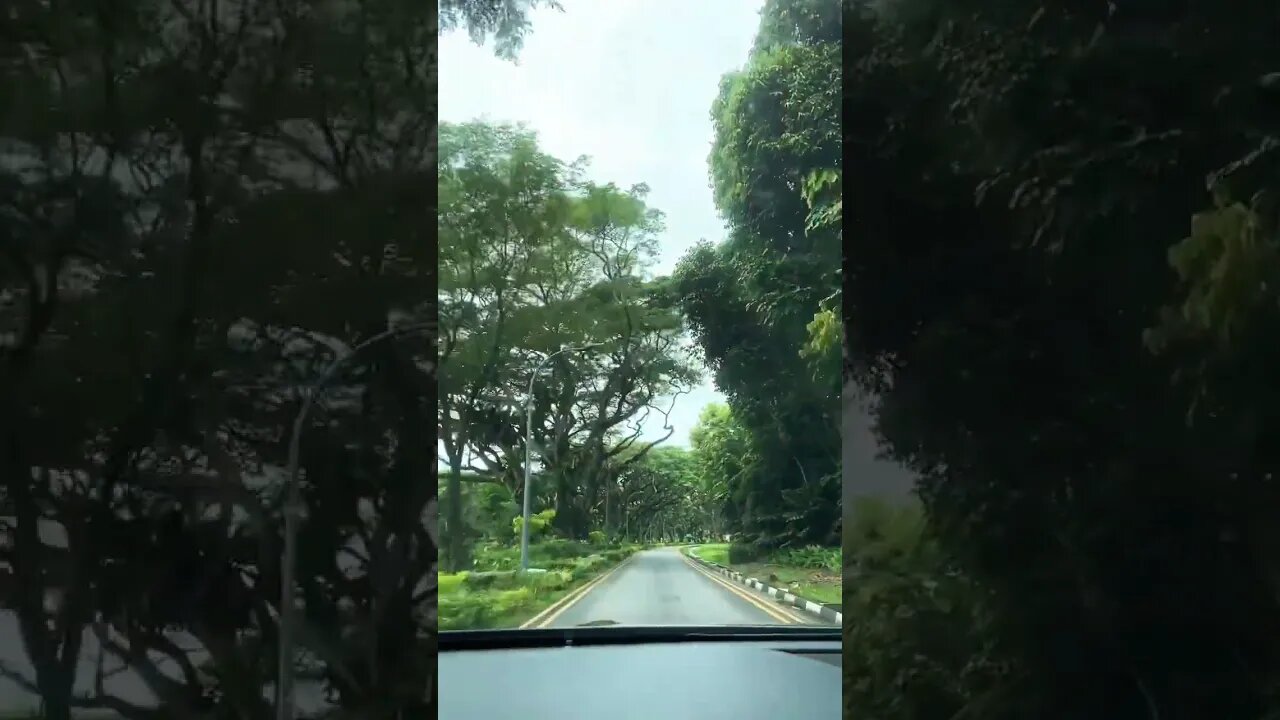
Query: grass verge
[[810, 573], [808, 583], [506, 598], [717, 553]]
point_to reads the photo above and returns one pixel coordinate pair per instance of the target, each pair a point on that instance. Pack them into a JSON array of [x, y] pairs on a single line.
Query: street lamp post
[[528, 454], [293, 512]]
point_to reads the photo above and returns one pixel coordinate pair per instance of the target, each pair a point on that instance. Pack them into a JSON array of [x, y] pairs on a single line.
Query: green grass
[[518, 616], [716, 552], [811, 584], [504, 598], [811, 573], [451, 582]]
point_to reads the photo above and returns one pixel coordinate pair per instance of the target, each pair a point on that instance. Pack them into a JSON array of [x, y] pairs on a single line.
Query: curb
[[813, 608]]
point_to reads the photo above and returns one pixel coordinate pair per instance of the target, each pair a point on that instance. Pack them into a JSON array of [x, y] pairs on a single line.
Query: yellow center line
[[773, 612], [548, 616]]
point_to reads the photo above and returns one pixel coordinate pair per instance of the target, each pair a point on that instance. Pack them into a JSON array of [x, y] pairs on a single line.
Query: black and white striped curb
[[825, 612]]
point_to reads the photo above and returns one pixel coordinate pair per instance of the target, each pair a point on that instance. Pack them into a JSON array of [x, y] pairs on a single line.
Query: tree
[[506, 22], [657, 496], [79, 146], [158, 156], [751, 299], [502, 216], [534, 259], [1019, 189], [722, 456]]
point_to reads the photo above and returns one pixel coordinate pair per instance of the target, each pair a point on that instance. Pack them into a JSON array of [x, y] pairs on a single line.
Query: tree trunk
[[57, 702], [564, 506], [608, 511], [454, 542]]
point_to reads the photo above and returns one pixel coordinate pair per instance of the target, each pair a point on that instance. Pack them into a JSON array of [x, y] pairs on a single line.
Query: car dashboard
[[639, 673]]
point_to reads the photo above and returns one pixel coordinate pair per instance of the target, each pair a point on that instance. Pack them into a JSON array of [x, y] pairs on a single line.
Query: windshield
[[639, 347]]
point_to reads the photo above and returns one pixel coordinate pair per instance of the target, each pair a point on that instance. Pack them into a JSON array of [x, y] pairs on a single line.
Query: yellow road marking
[[773, 612], [548, 616]]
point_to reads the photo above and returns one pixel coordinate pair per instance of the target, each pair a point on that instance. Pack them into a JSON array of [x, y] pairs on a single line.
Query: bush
[[539, 524], [563, 564], [918, 623], [492, 580], [558, 549], [553, 580], [587, 566], [745, 552], [451, 582], [509, 601], [596, 537], [815, 557], [463, 611], [482, 609], [543, 553], [493, 557], [486, 599]]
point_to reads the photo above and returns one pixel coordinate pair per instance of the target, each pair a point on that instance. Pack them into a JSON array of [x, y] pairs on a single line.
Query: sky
[[629, 83]]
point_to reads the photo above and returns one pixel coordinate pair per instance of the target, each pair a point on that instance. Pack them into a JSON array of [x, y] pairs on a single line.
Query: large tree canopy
[[202, 205], [504, 22], [543, 270], [754, 299], [1077, 380]]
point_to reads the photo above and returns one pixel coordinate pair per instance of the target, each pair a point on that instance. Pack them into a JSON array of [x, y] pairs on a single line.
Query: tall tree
[[750, 300], [541, 269], [1021, 174], [722, 453], [502, 225], [158, 156]]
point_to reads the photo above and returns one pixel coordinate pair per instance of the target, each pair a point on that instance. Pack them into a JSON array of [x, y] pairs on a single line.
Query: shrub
[[484, 599], [814, 557], [562, 564], [509, 601], [596, 537], [744, 553], [553, 580], [587, 566], [542, 553], [918, 623], [462, 611], [496, 558], [558, 549], [539, 524], [451, 582], [493, 580]]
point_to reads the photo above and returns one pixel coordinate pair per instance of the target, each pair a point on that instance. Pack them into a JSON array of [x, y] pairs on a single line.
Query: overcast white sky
[[630, 84]]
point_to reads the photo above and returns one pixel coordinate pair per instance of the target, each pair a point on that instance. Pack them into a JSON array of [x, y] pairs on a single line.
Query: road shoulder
[[783, 596]]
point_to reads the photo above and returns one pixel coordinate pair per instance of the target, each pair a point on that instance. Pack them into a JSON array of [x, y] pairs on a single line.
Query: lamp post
[[293, 512], [528, 454]]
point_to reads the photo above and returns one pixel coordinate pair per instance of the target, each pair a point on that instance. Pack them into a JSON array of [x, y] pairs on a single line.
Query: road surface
[[661, 587]]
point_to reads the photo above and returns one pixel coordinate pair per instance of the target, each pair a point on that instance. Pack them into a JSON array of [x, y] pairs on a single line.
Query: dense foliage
[[544, 287], [202, 206], [1060, 280], [762, 303]]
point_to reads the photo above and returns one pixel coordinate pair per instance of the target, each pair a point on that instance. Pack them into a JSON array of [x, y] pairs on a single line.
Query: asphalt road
[[661, 587]]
